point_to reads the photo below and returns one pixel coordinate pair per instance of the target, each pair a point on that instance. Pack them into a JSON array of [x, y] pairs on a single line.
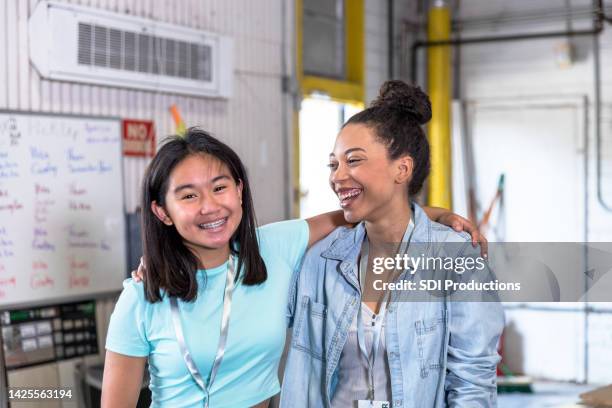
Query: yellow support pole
[[299, 72], [354, 39], [439, 88]]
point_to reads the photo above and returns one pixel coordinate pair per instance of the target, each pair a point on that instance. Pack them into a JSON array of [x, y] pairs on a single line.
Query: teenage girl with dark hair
[[210, 316], [355, 345]]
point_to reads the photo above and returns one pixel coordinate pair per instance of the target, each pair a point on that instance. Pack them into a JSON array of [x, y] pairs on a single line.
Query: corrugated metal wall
[[250, 121]]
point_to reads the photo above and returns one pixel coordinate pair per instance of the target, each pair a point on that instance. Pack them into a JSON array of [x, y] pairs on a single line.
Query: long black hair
[[170, 265], [396, 116]]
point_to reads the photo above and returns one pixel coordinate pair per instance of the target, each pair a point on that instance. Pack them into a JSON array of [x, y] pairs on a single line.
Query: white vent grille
[[89, 45], [130, 51]]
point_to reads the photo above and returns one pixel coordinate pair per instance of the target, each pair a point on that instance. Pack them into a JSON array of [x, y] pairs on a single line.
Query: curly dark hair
[[397, 116]]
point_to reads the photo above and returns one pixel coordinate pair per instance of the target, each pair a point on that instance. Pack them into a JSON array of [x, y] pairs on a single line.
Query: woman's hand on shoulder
[[459, 223], [138, 274]]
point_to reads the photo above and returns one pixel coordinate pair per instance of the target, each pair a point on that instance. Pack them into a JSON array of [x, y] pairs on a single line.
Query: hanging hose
[[599, 19]]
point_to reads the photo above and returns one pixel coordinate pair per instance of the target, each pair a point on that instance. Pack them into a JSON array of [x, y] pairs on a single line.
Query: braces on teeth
[[348, 195], [213, 224]]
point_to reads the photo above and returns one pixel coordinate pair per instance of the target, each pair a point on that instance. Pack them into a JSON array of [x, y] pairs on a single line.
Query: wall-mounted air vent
[[82, 44], [130, 51]]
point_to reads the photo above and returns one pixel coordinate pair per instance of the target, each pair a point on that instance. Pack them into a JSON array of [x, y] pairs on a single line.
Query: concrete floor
[[547, 395]]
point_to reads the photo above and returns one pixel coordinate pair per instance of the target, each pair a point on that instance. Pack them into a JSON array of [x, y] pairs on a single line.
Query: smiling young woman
[[358, 346], [205, 209], [210, 313]]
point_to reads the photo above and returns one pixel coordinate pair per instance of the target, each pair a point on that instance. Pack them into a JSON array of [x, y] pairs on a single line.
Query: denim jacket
[[440, 352]]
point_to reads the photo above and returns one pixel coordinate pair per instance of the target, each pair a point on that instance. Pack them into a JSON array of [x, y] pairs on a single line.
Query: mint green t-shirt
[[256, 334]]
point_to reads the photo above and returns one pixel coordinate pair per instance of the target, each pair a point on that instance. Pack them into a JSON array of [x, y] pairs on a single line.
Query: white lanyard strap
[[180, 336], [378, 322]]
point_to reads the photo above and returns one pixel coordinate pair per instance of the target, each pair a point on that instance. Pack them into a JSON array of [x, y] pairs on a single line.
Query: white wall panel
[[3, 55], [23, 81], [531, 347], [599, 346], [11, 55]]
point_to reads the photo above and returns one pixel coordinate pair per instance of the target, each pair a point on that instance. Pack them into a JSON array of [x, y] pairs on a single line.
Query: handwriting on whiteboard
[[61, 206]]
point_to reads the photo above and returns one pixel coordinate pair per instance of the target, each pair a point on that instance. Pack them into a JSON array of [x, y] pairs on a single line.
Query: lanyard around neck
[[378, 319], [180, 336]]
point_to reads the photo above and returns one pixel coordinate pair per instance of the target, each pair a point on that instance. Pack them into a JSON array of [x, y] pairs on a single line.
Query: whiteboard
[[62, 226]]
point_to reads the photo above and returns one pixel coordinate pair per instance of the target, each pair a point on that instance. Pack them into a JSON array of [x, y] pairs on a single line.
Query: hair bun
[[406, 99]]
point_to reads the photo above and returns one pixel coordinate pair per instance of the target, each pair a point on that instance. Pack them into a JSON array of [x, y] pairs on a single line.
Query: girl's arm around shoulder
[[293, 237], [323, 224]]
